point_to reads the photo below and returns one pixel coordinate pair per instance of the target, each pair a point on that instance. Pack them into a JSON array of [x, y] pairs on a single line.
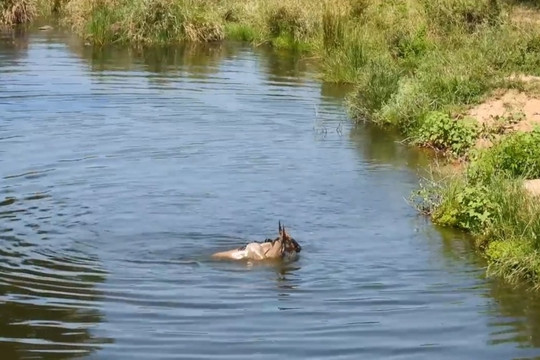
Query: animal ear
[[284, 233]]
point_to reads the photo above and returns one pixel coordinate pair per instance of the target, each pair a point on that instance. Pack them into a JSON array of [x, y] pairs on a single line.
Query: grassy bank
[[489, 200], [418, 66]]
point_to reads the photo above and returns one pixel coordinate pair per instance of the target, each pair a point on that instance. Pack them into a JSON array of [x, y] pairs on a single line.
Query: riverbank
[[422, 68]]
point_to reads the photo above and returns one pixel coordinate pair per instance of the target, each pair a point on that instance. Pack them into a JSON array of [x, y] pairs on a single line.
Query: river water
[[121, 171]]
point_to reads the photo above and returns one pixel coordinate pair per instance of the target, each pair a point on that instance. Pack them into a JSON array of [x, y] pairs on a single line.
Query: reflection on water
[[48, 296], [121, 170], [13, 42], [193, 59], [387, 148], [520, 310]]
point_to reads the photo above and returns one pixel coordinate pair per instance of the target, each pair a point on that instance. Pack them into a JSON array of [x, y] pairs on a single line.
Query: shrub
[[517, 154], [358, 8], [409, 46], [439, 131], [497, 209], [465, 206]]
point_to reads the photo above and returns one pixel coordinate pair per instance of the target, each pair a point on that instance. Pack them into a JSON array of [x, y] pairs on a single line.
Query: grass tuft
[[375, 87]]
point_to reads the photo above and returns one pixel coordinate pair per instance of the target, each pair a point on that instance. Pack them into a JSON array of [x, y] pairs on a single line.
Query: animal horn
[[279, 228]]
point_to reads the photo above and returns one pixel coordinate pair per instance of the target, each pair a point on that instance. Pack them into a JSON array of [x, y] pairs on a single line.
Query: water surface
[[121, 171]]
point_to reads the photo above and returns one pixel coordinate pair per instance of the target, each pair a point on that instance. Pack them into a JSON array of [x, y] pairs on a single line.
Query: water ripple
[[123, 170]]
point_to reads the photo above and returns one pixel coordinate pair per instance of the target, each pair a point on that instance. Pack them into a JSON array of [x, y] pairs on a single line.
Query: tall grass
[[145, 21], [14, 12], [293, 24]]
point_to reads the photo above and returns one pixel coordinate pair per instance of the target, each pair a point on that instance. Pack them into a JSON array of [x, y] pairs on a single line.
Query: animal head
[[288, 244]]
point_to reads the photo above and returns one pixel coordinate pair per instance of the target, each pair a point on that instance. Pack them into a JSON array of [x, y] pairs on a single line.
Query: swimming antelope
[[282, 247]]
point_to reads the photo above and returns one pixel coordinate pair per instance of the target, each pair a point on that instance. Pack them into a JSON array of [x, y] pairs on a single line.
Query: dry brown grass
[[13, 12], [203, 31]]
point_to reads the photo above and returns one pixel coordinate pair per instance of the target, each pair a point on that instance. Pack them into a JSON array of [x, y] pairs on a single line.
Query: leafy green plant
[[455, 202], [517, 154], [468, 207], [439, 131]]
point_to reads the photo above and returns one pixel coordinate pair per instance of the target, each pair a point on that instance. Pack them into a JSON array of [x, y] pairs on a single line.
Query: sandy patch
[[532, 186], [509, 111]]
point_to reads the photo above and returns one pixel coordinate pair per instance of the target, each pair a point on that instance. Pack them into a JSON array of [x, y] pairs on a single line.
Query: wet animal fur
[[282, 247]]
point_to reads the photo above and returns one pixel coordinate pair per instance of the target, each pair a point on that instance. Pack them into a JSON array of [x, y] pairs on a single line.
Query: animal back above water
[[284, 247]]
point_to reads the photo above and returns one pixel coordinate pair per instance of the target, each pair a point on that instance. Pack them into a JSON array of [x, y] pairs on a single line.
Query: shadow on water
[[385, 147], [13, 45], [279, 65], [198, 61], [193, 60], [49, 303], [513, 310], [520, 310]]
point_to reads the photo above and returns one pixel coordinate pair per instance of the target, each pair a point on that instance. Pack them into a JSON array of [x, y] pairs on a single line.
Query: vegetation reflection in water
[[49, 302], [53, 287]]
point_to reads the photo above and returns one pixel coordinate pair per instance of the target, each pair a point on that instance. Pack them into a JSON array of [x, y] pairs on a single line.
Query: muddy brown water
[[121, 171]]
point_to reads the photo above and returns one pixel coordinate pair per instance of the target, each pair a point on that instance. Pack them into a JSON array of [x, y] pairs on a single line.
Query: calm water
[[122, 171]]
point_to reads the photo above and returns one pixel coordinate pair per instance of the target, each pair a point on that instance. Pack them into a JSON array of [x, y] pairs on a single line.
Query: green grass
[[241, 32], [517, 154], [489, 200]]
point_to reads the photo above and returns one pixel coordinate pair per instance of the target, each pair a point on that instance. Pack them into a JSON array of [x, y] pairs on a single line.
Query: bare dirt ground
[[520, 110]]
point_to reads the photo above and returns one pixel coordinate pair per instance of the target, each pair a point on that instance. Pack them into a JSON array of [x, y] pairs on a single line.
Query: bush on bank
[[489, 200]]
